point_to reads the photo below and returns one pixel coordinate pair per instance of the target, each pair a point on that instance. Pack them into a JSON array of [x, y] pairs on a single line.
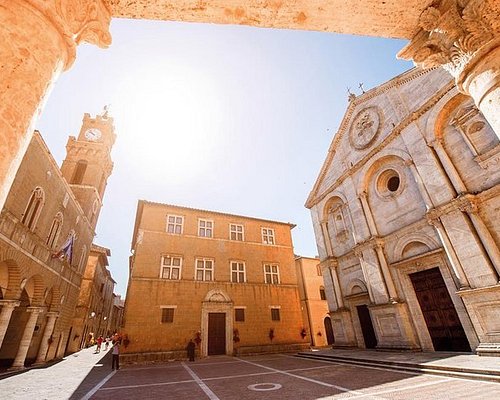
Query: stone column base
[[343, 330], [483, 307], [393, 327]]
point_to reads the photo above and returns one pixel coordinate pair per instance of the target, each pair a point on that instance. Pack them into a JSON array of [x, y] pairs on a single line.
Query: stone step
[[457, 372]]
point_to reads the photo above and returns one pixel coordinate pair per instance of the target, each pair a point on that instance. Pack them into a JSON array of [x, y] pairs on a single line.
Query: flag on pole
[[66, 251]]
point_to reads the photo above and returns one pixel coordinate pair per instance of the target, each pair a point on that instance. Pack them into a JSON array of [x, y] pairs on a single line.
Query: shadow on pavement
[[100, 370], [6, 373]]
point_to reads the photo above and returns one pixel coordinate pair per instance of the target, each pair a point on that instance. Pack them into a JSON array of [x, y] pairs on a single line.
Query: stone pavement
[[70, 378]]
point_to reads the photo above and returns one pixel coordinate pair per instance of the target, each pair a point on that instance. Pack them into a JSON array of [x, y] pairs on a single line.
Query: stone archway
[[216, 306]]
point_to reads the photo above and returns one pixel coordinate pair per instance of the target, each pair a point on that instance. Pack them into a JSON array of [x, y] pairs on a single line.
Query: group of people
[[115, 341]]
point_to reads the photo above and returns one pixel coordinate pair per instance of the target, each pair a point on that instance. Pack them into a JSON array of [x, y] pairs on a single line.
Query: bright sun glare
[[170, 116]]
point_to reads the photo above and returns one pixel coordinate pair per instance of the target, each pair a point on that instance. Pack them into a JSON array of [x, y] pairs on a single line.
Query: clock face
[[93, 134]]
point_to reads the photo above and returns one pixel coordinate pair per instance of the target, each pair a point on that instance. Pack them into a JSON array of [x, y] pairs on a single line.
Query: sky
[[224, 118]]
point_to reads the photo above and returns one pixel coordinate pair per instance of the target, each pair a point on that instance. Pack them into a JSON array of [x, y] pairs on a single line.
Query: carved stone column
[[368, 214], [420, 184], [7, 310], [449, 167], [457, 268], [468, 206], [47, 333], [38, 40], [26, 338], [333, 266], [326, 237], [463, 37], [386, 273]]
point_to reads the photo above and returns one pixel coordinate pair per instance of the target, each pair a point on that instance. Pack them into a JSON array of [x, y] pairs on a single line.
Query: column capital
[[330, 262], [453, 33], [432, 217], [10, 303], [53, 314], [467, 204], [437, 142], [76, 21], [35, 309]]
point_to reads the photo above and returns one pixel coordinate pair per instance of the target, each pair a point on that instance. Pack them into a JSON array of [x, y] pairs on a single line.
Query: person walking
[[116, 355], [190, 349], [106, 343], [99, 344]]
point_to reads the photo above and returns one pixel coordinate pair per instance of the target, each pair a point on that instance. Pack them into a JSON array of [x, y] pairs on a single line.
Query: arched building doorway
[[330, 338]]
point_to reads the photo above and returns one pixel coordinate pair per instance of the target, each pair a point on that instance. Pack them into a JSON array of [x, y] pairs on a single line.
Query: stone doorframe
[[216, 301], [352, 302], [432, 259]]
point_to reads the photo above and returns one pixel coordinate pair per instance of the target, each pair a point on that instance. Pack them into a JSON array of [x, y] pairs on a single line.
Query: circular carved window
[[365, 127], [389, 183]]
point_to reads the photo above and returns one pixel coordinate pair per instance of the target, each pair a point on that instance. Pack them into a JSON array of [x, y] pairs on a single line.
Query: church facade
[[226, 281], [405, 212], [46, 232]]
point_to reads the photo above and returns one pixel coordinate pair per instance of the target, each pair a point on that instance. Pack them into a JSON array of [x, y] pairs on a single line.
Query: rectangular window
[[271, 274], [236, 232], [204, 269], [318, 270], [239, 315], [167, 315], [275, 314], [238, 272], [268, 236], [174, 224], [171, 267], [205, 228]]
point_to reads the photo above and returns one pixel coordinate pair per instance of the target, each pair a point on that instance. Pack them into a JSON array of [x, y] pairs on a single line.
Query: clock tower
[[88, 163]]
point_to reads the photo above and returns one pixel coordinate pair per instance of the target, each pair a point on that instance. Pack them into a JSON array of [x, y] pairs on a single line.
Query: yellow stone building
[[315, 312], [46, 209], [226, 281]]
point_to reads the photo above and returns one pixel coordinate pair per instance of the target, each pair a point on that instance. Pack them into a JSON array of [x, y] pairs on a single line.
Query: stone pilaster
[[449, 167], [38, 40], [420, 184], [386, 273], [366, 275], [458, 271], [333, 266], [7, 310], [467, 205], [363, 197], [27, 336], [326, 237], [47, 333], [463, 37]]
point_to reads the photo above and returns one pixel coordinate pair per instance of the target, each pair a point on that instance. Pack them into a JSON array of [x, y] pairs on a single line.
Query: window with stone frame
[[204, 269], [275, 314], [318, 270], [268, 236], [271, 274], [236, 232], [55, 230], [238, 272], [171, 267], [175, 224], [167, 315], [322, 293], [205, 228], [83, 259], [239, 315], [79, 173], [34, 208]]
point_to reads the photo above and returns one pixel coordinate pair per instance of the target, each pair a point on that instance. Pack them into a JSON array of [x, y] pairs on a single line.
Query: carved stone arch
[[356, 286], [36, 290], [11, 272], [416, 238], [334, 197], [217, 296], [384, 156], [440, 113], [53, 298]]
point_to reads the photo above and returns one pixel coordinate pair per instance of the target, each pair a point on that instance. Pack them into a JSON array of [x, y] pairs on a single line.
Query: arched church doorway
[[330, 338], [440, 316]]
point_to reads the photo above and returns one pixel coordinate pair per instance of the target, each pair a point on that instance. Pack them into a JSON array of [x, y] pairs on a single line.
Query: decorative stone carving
[[452, 32], [365, 127]]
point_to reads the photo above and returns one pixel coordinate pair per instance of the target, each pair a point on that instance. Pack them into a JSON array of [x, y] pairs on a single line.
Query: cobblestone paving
[[87, 376]]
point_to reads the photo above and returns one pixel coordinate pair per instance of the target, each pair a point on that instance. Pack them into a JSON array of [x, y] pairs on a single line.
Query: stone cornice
[[314, 197]]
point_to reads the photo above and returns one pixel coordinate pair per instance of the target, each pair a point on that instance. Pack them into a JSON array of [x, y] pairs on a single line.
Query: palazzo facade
[[47, 209], [406, 218], [226, 281]]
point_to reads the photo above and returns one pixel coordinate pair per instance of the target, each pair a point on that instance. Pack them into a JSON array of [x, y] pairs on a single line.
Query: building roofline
[[216, 212], [297, 257]]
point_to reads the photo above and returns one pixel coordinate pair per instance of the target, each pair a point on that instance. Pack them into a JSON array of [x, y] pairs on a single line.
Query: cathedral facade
[[225, 281], [406, 218], [46, 232]]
